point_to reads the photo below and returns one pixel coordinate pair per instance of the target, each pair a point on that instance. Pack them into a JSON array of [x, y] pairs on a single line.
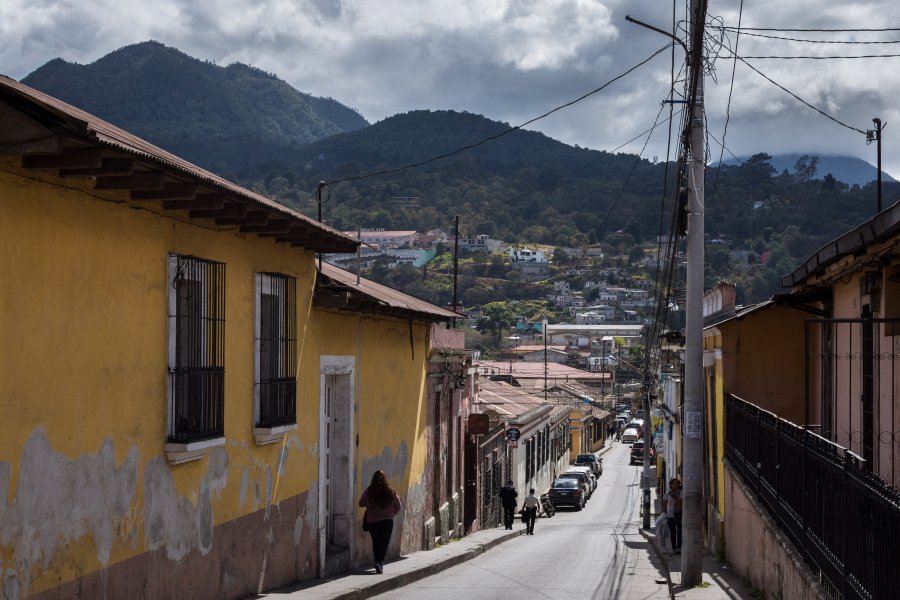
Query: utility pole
[[455, 265], [692, 426], [877, 132]]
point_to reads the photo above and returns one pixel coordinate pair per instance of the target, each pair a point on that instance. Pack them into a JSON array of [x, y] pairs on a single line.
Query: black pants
[[675, 532], [381, 537], [530, 518], [509, 515]]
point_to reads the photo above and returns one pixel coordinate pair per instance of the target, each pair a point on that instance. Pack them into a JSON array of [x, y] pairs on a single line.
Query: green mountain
[[217, 117], [848, 169], [516, 185]]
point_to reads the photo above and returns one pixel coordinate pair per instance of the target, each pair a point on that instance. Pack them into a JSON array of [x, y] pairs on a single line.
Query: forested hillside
[[221, 118], [525, 187], [516, 185]]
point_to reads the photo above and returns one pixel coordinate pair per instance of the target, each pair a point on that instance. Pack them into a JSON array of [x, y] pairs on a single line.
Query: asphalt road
[[597, 553]]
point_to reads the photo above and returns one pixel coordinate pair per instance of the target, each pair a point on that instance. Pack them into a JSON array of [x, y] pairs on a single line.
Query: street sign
[[513, 434]]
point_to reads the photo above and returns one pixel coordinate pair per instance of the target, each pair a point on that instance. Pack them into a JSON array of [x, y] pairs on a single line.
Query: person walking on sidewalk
[[531, 510], [508, 498], [671, 504], [382, 504]]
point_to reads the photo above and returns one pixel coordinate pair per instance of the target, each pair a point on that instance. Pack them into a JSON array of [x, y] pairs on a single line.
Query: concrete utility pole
[[692, 426]]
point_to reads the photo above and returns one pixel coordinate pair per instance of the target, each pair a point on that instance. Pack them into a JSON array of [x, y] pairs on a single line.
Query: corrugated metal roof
[[394, 301], [535, 370], [879, 228], [93, 128]]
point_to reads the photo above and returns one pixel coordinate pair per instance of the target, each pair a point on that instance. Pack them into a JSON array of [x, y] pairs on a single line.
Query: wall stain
[[59, 500], [172, 521]]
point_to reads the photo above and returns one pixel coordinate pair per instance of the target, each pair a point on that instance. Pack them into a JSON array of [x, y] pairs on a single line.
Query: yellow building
[[184, 401]]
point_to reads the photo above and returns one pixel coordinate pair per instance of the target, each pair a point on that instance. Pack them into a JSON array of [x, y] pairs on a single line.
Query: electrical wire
[[730, 92], [739, 31], [796, 57], [815, 30], [818, 110], [502, 133]]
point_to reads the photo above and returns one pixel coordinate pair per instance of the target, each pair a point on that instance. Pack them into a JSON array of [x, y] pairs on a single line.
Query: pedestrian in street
[[671, 504], [531, 510], [382, 504], [508, 499]]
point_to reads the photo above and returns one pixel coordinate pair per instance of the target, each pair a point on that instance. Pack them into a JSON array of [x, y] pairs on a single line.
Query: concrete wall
[[758, 551]]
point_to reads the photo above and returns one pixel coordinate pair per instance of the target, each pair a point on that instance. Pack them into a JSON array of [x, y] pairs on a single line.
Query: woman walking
[[671, 504], [382, 504]]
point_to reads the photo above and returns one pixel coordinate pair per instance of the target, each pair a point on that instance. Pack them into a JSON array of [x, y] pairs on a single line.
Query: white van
[[630, 436]]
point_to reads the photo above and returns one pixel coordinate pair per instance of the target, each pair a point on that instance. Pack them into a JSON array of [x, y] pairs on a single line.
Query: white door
[[328, 423]]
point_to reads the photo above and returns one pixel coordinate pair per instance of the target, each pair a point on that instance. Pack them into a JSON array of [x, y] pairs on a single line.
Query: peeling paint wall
[[391, 412]]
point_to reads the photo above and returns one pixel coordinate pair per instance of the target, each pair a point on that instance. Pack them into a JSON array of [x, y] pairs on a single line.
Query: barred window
[[196, 352], [276, 350]]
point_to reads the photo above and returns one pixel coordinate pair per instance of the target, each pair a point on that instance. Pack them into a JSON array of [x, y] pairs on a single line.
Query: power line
[[821, 57], [502, 133], [862, 30], [803, 41], [818, 110]]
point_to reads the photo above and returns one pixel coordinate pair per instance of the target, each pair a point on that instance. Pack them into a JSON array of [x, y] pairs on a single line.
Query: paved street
[[596, 553]]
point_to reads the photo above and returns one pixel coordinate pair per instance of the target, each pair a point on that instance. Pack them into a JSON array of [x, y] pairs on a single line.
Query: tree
[[496, 317]]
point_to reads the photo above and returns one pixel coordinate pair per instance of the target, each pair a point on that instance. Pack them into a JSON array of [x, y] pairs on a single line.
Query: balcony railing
[[844, 520]]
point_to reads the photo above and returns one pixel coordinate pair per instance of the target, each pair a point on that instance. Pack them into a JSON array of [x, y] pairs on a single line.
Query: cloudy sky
[[512, 60]]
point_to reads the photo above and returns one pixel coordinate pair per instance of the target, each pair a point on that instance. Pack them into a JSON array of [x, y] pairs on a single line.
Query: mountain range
[[417, 170], [217, 117], [849, 169]]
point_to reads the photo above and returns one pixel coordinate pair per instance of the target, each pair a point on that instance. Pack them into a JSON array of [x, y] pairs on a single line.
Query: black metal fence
[[844, 520]]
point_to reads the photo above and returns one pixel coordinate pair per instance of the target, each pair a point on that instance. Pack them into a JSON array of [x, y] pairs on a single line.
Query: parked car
[[583, 480], [567, 491], [587, 470], [590, 460], [631, 435], [637, 452]]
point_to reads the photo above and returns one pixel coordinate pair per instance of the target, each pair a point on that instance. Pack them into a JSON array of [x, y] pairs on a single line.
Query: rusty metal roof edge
[[882, 225], [103, 132], [386, 295]]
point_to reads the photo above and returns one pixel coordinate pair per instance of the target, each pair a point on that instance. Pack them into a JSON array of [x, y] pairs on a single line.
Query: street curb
[[654, 542], [399, 580]]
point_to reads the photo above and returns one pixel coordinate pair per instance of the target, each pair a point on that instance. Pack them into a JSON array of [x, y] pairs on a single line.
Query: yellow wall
[[766, 346], [390, 389], [84, 323]]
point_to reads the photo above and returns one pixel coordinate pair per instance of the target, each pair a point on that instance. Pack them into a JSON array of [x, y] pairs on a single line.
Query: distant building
[[481, 243]]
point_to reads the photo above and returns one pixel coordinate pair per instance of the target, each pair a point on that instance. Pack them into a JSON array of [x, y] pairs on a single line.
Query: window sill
[[270, 435], [177, 454]]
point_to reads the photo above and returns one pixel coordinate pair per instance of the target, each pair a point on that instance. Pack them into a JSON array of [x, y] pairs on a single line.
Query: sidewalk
[[719, 582], [362, 583]]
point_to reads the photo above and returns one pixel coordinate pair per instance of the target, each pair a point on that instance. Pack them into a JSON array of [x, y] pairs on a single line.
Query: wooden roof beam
[[171, 191], [276, 227], [252, 217], [109, 166], [69, 158], [228, 210], [136, 181], [200, 202], [40, 145]]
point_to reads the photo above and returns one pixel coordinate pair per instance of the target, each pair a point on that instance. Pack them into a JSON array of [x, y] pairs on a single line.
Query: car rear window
[[586, 458], [565, 483]]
